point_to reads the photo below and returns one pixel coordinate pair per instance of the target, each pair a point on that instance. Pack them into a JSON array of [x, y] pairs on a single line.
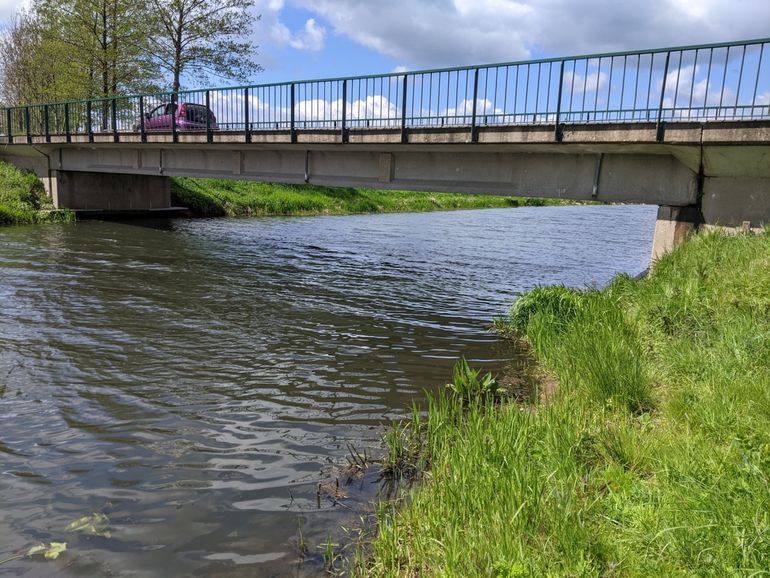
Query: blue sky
[[301, 39], [320, 38]]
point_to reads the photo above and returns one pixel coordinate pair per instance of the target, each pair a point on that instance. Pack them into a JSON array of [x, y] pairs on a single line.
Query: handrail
[[722, 81]]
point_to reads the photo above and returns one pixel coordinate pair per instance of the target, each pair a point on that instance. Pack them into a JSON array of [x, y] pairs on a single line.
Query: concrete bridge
[[686, 128]]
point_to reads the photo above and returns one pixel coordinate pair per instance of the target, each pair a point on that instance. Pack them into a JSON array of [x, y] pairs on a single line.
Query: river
[[194, 380]]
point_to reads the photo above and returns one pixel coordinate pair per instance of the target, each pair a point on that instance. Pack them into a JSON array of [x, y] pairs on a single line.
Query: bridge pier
[[673, 226], [734, 201], [92, 191], [731, 204]]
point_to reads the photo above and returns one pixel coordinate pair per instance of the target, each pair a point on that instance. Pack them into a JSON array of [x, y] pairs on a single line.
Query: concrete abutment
[[672, 227], [110, 191], [731, 204]]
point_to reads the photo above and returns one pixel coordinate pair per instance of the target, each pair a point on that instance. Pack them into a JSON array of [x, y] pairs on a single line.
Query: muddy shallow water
[[193, 379]]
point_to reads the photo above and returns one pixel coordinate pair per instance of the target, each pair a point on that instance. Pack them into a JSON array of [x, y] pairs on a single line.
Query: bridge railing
[[717, 82]]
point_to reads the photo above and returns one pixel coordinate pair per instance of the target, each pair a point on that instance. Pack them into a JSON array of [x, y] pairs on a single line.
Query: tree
[[203, 38], [105, 40], [26, 69]]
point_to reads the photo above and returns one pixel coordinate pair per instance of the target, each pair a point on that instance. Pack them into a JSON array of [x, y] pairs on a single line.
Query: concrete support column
[[673, 226], [111, 191], [737, 201]]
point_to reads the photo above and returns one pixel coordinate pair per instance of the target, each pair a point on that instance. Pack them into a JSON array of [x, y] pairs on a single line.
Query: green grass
[[23, 199], [219, 198], [651, 459]]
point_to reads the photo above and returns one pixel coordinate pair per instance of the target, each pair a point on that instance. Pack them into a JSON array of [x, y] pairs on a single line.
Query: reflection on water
[[190, 379]]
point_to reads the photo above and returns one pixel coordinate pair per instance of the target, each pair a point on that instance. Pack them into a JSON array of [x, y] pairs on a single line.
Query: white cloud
[[453, 32], [271, 31], [311, 38]]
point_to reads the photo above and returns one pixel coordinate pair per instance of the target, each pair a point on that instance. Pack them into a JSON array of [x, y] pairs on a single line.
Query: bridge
[[685, 128]]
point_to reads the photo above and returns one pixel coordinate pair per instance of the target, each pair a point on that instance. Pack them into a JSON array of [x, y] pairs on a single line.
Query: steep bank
[[23, 199], [652, 458], [219, 198]]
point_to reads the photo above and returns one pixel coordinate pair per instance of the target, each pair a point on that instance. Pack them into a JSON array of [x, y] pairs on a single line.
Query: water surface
[[194, 379]]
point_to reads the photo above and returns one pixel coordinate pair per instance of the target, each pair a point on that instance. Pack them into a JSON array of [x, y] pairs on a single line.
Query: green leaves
[[469, 384], [96, 525], [49, 552]]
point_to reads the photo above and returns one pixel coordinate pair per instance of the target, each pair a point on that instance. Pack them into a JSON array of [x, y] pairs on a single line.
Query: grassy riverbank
[[652, 458], [219, 198], [23, 199]]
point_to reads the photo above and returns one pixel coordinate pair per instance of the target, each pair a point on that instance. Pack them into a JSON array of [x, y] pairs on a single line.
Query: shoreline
[[23, 200], [230, 198], [651, 457]]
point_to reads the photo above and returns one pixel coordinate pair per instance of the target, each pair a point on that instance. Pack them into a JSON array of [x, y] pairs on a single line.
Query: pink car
[[189, 116]]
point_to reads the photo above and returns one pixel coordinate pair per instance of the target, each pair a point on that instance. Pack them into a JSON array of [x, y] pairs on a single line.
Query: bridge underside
[[718, 172]]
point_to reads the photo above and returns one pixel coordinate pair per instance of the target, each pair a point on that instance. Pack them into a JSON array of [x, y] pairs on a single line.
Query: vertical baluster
[[557, 132], [344, 133], [659, 125], [46, 124], [292, 131], [474, 133], [404, 135], [67, 135]]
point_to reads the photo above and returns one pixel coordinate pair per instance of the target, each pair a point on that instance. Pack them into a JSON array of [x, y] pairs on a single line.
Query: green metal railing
[[716, 82]]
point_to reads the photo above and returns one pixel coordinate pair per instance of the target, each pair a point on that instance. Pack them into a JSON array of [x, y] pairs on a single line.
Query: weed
[[469, 384]]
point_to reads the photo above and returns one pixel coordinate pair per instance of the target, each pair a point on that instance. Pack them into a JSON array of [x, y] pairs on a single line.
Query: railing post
[[115, 135], [557, 130], [209, 134], [659, 129], [474, 132], [27, 128], [174, 135], [142, 119], [67, 135], [46, 124], [246, 113], [89, 125], [404, 133], [344, 133], [8, 119], [292, 130]]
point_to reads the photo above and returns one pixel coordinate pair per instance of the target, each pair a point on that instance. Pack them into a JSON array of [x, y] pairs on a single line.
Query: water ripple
[[192, 378]]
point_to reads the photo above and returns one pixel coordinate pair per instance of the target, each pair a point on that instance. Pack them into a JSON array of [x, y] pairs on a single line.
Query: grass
[[651, 459], [219, 198], [23, 199]]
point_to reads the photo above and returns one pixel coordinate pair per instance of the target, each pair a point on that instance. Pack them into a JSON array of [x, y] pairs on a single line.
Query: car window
[[158, 111], [169, 108], [196, 112]]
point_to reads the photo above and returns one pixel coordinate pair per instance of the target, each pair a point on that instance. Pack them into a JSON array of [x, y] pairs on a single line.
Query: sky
[[307, 39]]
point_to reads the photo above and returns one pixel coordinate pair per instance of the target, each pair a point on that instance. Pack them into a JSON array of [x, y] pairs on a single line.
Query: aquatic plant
[[468, 383]]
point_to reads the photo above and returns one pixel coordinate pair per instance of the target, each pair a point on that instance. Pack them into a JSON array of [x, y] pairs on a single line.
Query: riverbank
[[231, 198], [23, 199], [650, 458]]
